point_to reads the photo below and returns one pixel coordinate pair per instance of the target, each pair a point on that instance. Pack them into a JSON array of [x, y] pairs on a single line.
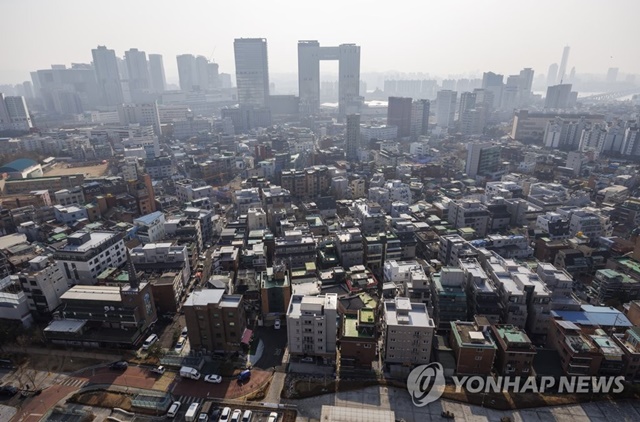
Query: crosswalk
[[74, 382], [187, 400]]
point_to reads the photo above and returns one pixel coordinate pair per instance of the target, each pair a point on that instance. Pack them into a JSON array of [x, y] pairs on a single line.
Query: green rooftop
[[630, 264], [350, 327], [512, 334]]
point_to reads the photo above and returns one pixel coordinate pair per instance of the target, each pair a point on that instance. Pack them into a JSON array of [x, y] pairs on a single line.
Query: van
[[246, 417], [190, 416], [187, 372], [149, 341], [244, 375], [173, 410]]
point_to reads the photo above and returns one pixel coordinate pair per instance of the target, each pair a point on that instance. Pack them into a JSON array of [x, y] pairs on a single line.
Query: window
[[367, 346], [478, 357]]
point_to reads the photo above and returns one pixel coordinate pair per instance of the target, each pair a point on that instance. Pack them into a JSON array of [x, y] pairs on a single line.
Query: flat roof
[[204, 297], [356, 414], [95, 239], [98, 293], [65, 326]]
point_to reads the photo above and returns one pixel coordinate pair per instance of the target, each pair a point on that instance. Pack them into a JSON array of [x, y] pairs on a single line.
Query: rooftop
[[468, 334]]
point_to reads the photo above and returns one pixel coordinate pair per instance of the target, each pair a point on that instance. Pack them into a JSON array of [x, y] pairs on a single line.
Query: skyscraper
[[156, 73], [107, 75], [558, 96], [138, 72], [309, 55], [420, 118], [467, 102], [14, 114], [187, 72], [352, 140], [612, 75], [252, 71], [552, 74], [446, 107], [493, 82], [399, 114], [563, 64]]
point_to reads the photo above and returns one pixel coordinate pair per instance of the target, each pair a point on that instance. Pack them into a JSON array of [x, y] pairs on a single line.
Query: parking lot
[[258, 414]]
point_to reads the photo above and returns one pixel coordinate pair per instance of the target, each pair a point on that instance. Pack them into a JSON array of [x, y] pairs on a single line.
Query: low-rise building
[[358, 339], [312, 323], [473, 347], [103, 316], [515, 352], [578, 355], [44, 284], [216, 322], [408, 333]]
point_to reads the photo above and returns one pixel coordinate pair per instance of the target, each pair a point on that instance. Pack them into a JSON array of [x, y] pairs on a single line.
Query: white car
[[236, 415], [276, 324], [273, 417], [215, 379], [224, 416], [180, 344], [184, 332], [158, 370]]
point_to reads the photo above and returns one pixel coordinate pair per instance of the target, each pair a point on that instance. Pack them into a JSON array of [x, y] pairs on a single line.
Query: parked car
[[180, 344], [244, 375], [215, 379], [8, 390], [149, 341], [158, 370], [308, 359], [235, 417], [183, 333], [120, 365], [173, 410], [225, 415], [246, 416], [273, 417], [276, 324]]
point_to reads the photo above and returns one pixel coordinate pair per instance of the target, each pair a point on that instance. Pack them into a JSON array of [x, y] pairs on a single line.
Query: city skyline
[[504, 45]]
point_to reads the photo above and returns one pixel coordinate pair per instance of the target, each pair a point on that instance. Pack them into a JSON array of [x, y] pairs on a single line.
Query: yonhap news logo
[[426, 383]]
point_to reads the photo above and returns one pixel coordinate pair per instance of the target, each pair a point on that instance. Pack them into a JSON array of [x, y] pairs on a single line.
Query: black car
[[8, 390], [215, 413], [120, 365]]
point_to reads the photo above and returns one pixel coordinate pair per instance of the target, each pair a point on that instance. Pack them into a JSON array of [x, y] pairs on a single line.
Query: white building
[[150, 227], [379, 132], [187, 191], [87, 254], [312, 323], [256, 219], [154, 255], [43, 283], [246, 198], [69, 215], [14, 304], [446, 107], [14, 114], [408, 332], [69, 196], [145, 114]]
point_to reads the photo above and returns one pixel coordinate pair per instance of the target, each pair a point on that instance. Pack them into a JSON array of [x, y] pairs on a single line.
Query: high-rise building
[[482, 159], [156, 73], [252, 71], [352, 140], [563, 64], [14, 114], [187, 72], [558, 96], [309, 55], [493, 82], [67, 91], [552, 74], [420, 118], [399, 115], [612, 75], [467, 102], [446, 107], [107, 75], [138, 72]]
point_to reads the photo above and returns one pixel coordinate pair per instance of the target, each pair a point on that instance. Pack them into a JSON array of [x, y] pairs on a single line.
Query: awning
[[246, 336]]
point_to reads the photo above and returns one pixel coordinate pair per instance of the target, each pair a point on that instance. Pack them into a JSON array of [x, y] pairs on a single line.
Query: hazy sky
[[436, 37]]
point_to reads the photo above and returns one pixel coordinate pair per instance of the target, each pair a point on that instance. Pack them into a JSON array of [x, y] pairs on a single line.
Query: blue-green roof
[[18, 165]]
